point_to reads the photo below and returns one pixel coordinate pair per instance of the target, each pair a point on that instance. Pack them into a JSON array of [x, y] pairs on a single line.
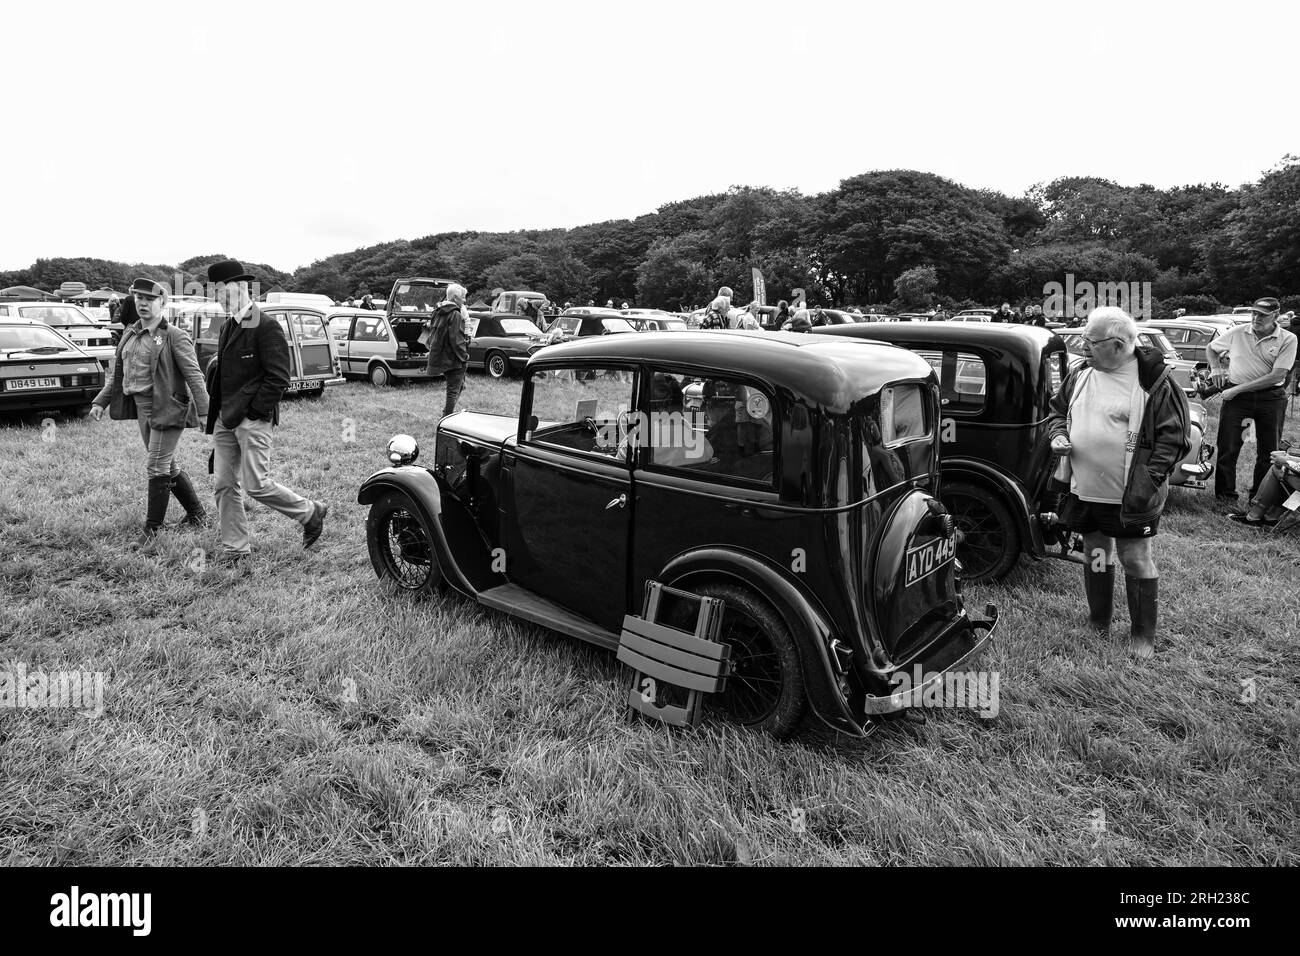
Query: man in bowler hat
[[246, 383]]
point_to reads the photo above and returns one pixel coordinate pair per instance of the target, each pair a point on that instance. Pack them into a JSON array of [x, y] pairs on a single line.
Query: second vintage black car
[[800, 500]]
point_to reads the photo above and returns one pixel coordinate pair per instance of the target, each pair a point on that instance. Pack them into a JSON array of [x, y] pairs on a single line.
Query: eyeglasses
[[1093, 343]]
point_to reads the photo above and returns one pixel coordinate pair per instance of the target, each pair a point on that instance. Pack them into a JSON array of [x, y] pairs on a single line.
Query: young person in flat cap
[[246, 382], [155, 380], [1260, 355]]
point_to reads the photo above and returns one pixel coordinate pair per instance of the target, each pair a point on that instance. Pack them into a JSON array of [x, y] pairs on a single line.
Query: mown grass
[[301, 716]]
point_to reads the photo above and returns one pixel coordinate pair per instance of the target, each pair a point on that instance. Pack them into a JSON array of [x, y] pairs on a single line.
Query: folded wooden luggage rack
[[693, 663]]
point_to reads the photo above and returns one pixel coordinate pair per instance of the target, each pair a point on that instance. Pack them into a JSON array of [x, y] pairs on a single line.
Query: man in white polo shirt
[[1260, 355]]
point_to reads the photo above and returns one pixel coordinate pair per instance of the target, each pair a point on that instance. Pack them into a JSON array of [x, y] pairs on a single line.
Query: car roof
[[822, 371], [1027, 341], [1182, 323]]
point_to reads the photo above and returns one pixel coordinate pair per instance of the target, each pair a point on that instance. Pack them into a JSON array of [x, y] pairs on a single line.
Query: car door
[[315, 348], [568, 489]]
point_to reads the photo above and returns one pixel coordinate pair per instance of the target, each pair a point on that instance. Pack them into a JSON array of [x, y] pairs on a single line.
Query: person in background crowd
[[1003, 314], [1121, 424], [246, 383], [591, 303], [801, 321], [782, 314], [155, 379], [1260, 356], [609, 303], [349, 303], [719, 310], [624, 306], [751, 318], [1282, 481], [568, 306], [449, 344], [367, 301]]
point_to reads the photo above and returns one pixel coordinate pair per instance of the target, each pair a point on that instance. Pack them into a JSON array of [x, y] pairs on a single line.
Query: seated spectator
[[1282, 480]]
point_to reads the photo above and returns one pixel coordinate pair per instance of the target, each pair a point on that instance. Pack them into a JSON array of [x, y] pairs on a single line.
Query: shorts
[[1088, 517]]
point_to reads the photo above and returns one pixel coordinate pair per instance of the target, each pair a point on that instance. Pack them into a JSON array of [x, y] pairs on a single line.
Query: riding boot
[[1099, 586], [1143, 607], [183, 489], [160, 492]]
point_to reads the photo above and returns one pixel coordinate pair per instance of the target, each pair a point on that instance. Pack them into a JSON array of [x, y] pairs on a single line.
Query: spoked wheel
[[765, 690], [496, 365], [990, 542], [401, 545]]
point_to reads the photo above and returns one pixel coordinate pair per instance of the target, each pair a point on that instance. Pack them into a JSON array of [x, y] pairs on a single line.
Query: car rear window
[[54, 315], [29, 337], [963, 380]]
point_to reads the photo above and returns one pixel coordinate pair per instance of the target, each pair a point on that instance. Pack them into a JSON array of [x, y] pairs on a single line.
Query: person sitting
[[1281, 481]]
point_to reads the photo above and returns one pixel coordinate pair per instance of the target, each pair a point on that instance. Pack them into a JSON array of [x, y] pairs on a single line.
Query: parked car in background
[[90, 336], [1190, 337], [312, 300], [372, 347], [654, 320], [1182, 369], [314, 360], [974, 315], [580, 322], [502, 344], [590, 510], [43, 370]]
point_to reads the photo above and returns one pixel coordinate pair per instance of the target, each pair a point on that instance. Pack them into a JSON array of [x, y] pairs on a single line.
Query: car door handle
[[620, 501]]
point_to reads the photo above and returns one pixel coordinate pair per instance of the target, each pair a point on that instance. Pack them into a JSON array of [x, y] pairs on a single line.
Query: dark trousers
[[1268, 408], [455, 384]]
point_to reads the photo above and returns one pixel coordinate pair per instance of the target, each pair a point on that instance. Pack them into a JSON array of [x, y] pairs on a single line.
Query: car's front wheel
[[401, 545], [990, 540], [380, 376], [496, 365], [765, 690]]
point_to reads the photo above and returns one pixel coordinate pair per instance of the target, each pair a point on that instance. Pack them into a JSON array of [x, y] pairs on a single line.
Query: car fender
[[981, 473], [421, 487], [811, 627]]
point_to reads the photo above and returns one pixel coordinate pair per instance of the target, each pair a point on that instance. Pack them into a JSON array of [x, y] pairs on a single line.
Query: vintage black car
[[995, 382], [802, 497]]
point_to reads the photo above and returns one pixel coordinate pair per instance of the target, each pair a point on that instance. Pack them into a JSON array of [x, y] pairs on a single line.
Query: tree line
[[882, 238]]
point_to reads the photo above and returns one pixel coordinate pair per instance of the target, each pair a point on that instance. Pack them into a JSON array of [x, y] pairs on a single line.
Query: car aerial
[[1190, 337], [314, 361], [801, 503], [1183, 370], [501, 344], [90, 336], [43, 370]]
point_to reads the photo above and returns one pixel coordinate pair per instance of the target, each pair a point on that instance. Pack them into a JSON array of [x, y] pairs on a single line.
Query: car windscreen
[[30, 337], [519, 327], [417, 297], [54, 315]]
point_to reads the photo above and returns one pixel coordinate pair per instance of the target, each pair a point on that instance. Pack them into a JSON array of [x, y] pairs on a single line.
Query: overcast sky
[[284, 132]]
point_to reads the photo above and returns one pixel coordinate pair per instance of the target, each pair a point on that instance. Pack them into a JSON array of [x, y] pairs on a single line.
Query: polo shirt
[[1250, 357]]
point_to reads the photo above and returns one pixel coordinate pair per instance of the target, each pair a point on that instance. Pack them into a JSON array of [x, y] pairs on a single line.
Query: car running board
[[520, 602]]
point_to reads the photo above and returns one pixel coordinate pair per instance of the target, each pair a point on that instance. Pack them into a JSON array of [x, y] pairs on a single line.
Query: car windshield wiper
[[43, 349]]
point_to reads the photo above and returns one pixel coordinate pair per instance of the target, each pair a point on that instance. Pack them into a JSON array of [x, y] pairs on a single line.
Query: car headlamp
[[402, 450]]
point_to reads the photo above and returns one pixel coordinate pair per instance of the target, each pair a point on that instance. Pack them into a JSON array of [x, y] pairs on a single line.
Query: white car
[[72, 320]]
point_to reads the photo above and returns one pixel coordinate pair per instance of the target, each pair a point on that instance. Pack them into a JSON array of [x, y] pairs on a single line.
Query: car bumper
[[959, 644], [64, 398]]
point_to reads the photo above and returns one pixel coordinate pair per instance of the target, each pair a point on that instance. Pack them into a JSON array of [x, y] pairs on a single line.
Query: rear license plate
[[925, 559], [17, 384], [302, 386]]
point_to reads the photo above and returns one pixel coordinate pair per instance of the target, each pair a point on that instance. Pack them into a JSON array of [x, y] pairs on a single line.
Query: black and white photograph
[[685, 437]]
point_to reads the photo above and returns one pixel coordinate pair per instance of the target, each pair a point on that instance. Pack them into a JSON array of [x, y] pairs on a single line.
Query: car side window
[[308, 325], [584, 410], [719, 428], [963, 380], [902, 415]]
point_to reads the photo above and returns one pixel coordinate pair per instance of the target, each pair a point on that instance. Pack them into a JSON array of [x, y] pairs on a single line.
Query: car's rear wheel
[[401, 546], [765, 690], [990, 539], [380, 376], [497, 365]]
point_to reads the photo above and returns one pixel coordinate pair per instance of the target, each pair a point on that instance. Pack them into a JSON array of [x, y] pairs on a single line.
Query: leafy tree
[[916, 287]]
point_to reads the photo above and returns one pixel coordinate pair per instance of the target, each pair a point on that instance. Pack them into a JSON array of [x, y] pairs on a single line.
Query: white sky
[[283, 132]]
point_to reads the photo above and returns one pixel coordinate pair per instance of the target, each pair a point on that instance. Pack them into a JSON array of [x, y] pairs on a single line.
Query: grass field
[[300, 716]]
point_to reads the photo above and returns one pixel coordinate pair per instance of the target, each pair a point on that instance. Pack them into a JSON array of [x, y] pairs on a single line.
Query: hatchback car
[[313, 356], [581, 322], [803, 499], [42, 370], [73, 321], [1188, 336]]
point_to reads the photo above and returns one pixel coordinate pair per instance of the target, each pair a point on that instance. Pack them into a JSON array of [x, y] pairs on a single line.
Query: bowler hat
[[1266, 305], [150, 287], [228, 270]]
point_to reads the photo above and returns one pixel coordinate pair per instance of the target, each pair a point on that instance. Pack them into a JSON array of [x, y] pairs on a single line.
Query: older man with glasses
[[1260, 355], [1121, 424]]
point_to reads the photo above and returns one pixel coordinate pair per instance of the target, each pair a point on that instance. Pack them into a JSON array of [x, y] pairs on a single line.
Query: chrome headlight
[[402, 450]]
